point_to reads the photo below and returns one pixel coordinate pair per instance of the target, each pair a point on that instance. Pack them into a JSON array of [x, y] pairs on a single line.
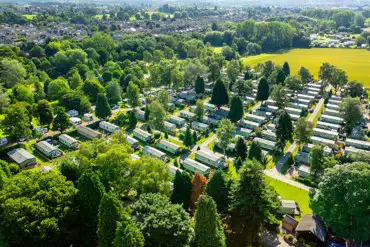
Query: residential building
[[210, 158], [265, 144], [143, 135], [154, 153], [48, 150], [199, 126], [196, 167], [22, 157], [107, 126], [68, 141], [168, 146], [88, 132], [177, 120]]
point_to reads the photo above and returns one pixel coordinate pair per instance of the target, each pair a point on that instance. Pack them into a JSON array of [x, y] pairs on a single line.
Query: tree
[[198, 185], [61, 119], [351, 111], [4, 100], [57, 88], [199, 110], [161, 222], [75, 100], [326, 71], [214, 70], [286, 68], [89, 195], [217, 189], [110, 211], [236, 109], [11, 72], [243, 88], [263, 90], [114, 92], [181, 189], [23, 93], [102, 109], [132, 120], [339, 77], [280, 77], [284, 130], [164, 98], [280, 96], [255, 152], [354, 89], [92, 88], [17, 122], [317, 162], [305, 75], [233, 70], [241, 148], [342, 200], [253, 205], [302, 131], [157, 115], [45, 112], [129, 236], [35, 208], [188, 139], [133, 95], [225, 133], [294, 82], [37, 51], [206, 215], [199, 85], [219, 94]]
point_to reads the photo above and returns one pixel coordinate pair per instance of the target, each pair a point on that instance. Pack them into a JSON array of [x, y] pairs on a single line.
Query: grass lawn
[[216, 50], [289, 192], [356, 62], [29, 17]]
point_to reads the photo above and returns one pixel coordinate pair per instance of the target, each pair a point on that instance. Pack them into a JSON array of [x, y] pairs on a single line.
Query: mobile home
[[352, 150], [331, 119], [292, 110], [48, 150], [331, 112], [134, 157], [209, 120], [112, 128], [133, 142], [22, 157], [210, 158], [169, 127], [332, 106], [154, 153], [271, 127], [358, 143], [265, 144], [334, 102], [323, 141], [143, 135], [88, 132], [249, 124], [196, 167], [187, 115], [243, 132], [68, 141], [332, 135], [140, 115], [255, 118], [302, 158], [269, 135], [305, 96], [168, 146], [199, 126], [177, 120], [173, 169], [304, 171], [209, 107]]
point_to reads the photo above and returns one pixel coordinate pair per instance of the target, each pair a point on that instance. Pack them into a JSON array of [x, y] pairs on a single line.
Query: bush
[[166, 135], [198, 148], [181, 136], [157, 135], [290, 237]]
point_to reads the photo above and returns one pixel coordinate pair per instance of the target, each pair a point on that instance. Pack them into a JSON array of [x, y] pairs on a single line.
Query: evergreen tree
[[132, 119], [198, 185], [195, 138], [218, 190], [262, 90], [188, 139], [284, 130], [61, 120], [255, 152], [236, 109], [281, 77], [219, 94], [238, 163], [286, 68], [110, 211], [241, 148], [89, 195], [248, 75], [206, 215], [181, 189], [102, 109], [129, 236], [199, 110], [147, 112], [199, 85]]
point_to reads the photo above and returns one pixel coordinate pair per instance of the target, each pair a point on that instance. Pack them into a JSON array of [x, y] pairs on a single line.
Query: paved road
[[272, 173]]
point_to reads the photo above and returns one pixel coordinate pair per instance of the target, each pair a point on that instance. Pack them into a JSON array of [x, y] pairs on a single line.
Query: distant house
[[88, 117], [169, 127], [168, 146], [22, 157], [75, 121], [68, 141], [177, 120], [210, 158], [88, 132], [112, 128], [143, 135], [195, 166], [154, 153], [311, 228], [72, 113], [202, 127], [48, 150]]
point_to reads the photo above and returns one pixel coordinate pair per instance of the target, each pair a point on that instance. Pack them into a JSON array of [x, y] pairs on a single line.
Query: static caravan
[[48, 150], [250, 99], [266, 114], [192, 108], [68, 141], [304, 171], [323, 141], [187, 115], [180, 102], [351, 151], [183, 130], [198, 126], [333, 107], [88, 132], [305, 96], [210, 158], [265, 144], [243, 132], [177, 120], [312, 93], [196, 167], [169, 127], [140, 115], [112, 128], [332, 135], [292, 110], [358, 143], [314, 89], [230, 147], [315, 85], [209, 120], [249, 124], [331, 119], [331, 112], [334, 97], [22, 157], [307, 147], [209, 107], [302, 158], [224, 110], [271, 127], [269, 135], [255, 118], [294, 117], [271, 102], [303, 101], [270, 108], [168, 146], [298, 106], [154, 153], [143, 135], [173, 169], [133, 142], [134, 157], [75, 121], [334, 102]]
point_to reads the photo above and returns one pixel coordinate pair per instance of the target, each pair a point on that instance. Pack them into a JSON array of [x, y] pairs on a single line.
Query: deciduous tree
[[17, 122], [280, 96], [114, 92], [128, 235], [133, 95], [351, 111], [302, 131], [45, 112], [224, 133], [199, 110], [61, 120], [198, 185], [157, 115]]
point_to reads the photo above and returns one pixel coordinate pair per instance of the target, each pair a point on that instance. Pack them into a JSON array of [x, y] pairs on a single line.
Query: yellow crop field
[[29, 17], [356, 62]]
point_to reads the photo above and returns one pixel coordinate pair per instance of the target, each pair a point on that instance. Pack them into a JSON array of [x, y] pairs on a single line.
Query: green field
[[29, 17], [356, 62], [289, 192]]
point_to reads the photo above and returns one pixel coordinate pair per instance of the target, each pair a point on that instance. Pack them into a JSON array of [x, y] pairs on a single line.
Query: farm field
[[29, 17], [356, 62]]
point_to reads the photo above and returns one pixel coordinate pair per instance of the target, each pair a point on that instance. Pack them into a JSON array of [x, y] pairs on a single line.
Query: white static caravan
[[314, 89], [298, 106], [302, 157], [271, 102], [358, 144], [198, 126], [168, 146], [265, 144], [209, 107], [334, 102], [269, 135], [304, 171], [305, 96], [334, 97], [272, 108], [48, 150], [294, 111], [134, 157], [112, 128], [88, 132], [331, 119], [323, 141], [140, 115], [187, 115], [68, 141], [352, 150], [177, 120], [173, 169], [154, 153], [143, 135], [249, 124], [314, 85], [196, 167], [255, 118], [243, 132], [294, 117], [75, 121], [303, 101], [333, 107], [312, 93], [210, 158], [133, 142], [331, 112], [209, 120], [224, 110], [332, 135], [271, 127], [169, 127]]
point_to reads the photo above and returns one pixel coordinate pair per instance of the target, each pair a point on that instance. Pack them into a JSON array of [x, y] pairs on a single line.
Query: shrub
[[157, 135]]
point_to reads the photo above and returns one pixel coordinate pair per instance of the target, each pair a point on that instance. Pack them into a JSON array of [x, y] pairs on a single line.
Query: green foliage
[[241, 148], [11, 72], [302, 131], [17, 122], [102, 109], [225, 132], [318, 162], [217, 189], [45, 112], [69, 168], [157, 115], [92, 88], [219, 94], [132, 120], [199, 110], [199, 85], [262, 90], [354, 89], [236, 109], [351, 111], [75, 100], [23, 93], [188, 139], [114, 92], [255, 152], [305, 75], [286, 68], [280, 96], [133, 94], [284, 129], [181, 189], [61, 120], [206, 215], [128, 236], [57, 88], [294, 82]]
